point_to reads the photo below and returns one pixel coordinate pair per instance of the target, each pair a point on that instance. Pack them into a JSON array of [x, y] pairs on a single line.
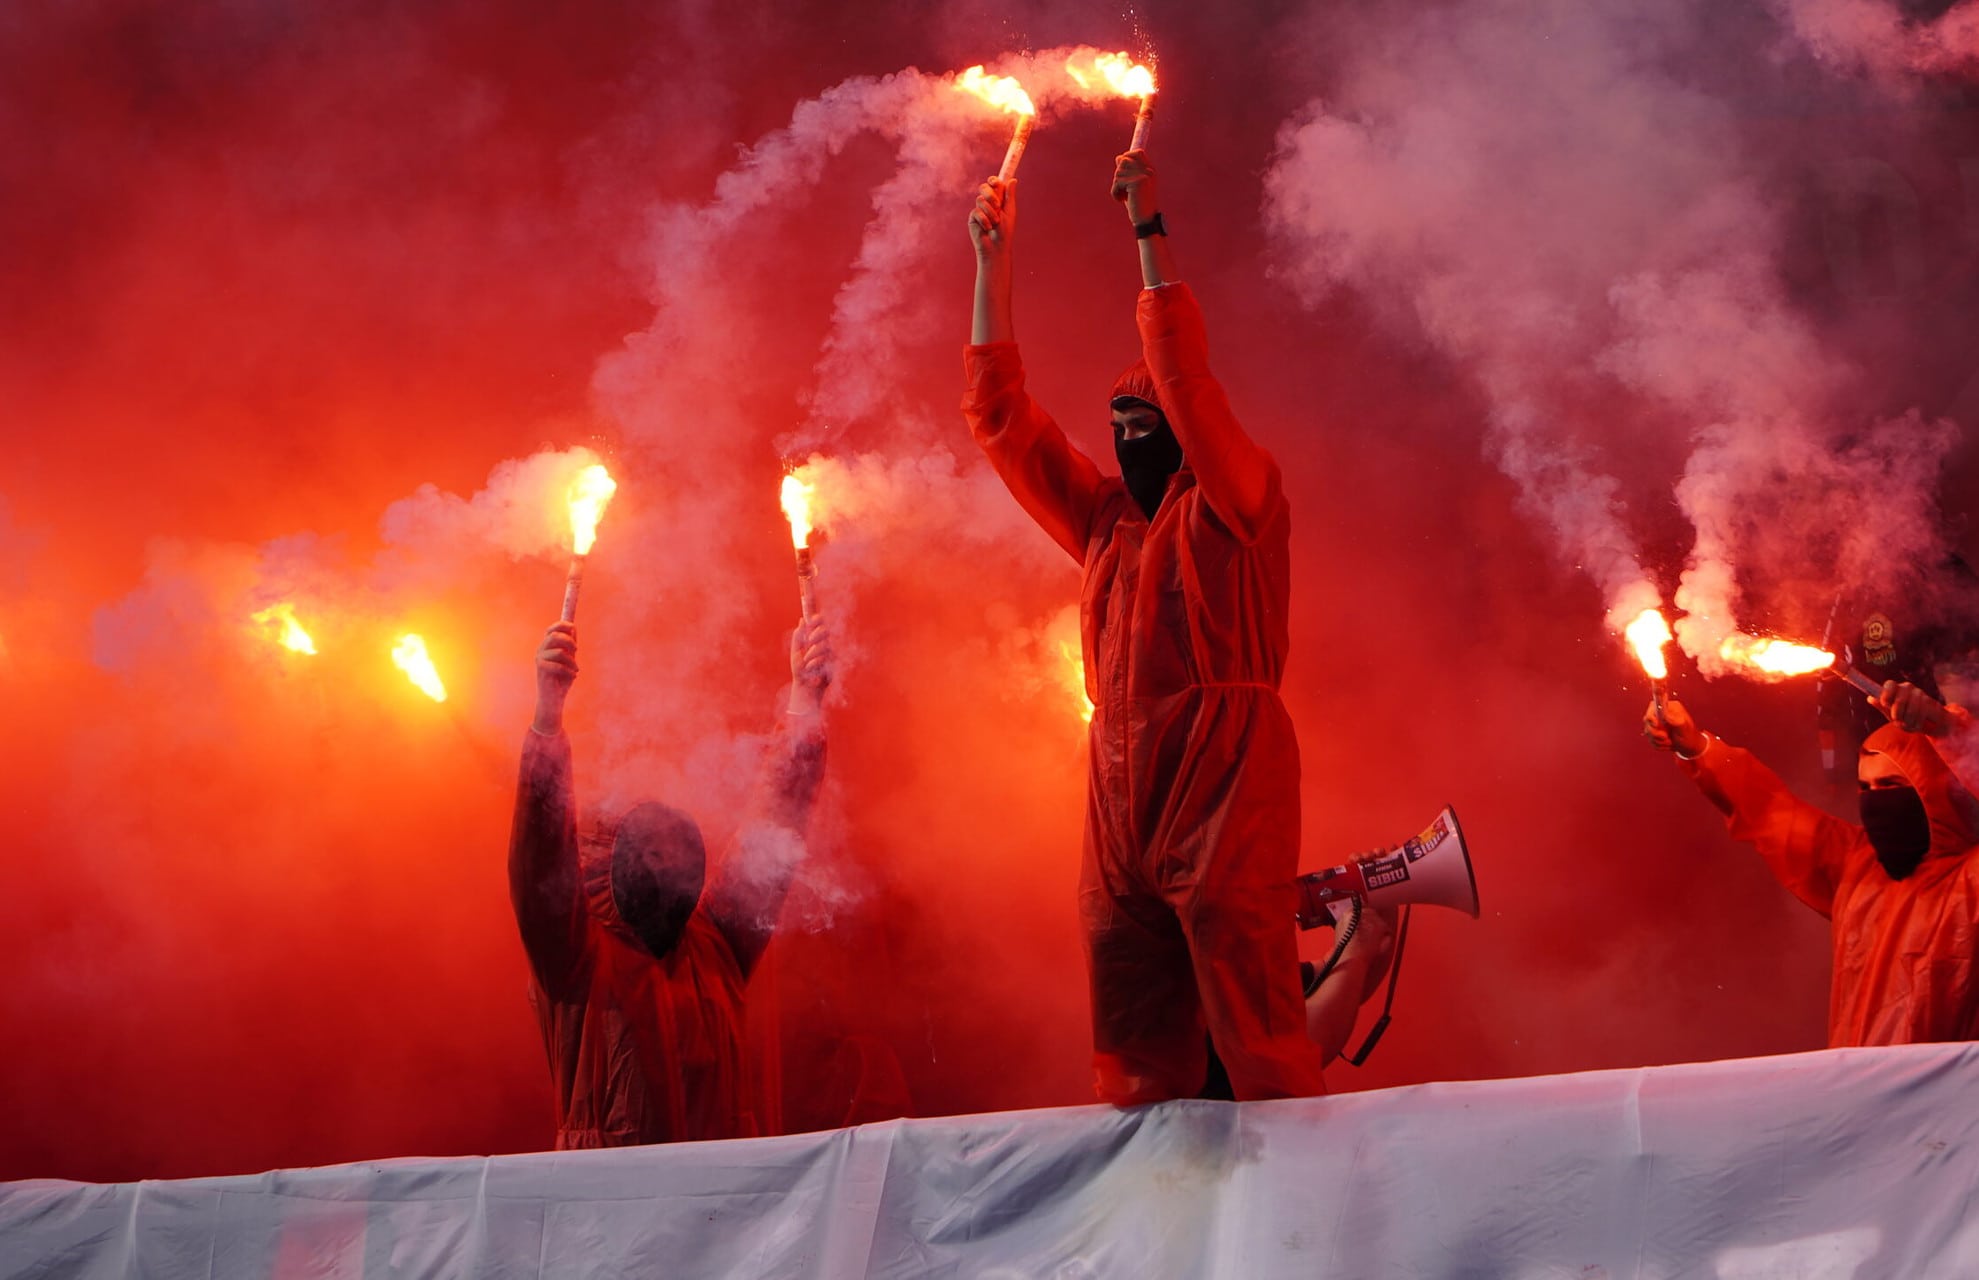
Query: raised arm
[[747, 895], [1055, 483], [542, 862], [1238, 478], [1804, 846]]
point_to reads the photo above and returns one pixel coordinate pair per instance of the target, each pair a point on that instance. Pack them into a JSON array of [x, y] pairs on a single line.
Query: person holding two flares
[[1192, 817], [637, 975], [1900, 890]]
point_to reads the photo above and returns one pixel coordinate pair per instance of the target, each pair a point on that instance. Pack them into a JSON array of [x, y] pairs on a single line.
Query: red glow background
[[272, 269]]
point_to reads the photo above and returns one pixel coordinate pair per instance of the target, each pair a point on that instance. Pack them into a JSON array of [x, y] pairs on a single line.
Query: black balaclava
[[658, 864], [1898, 827], [1147, 462]]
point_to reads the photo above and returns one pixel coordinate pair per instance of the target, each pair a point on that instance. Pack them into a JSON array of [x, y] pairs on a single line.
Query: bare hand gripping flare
[[1007, 94], [589, 493], [796, 498]]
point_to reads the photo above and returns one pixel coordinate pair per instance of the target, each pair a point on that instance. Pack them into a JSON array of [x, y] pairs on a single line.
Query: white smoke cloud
[[1573, 220], [522, 511]]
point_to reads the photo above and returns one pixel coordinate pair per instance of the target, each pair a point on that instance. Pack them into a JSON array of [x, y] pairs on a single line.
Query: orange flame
[[589, 492], [1000, 92], [1647, 635], [1075, 675], [1770, 659], [290, 635], [1122, 75], [411, 657], [796, 500]]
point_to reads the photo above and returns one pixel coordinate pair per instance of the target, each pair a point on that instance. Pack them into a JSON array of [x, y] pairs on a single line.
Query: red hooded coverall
[[1192, 814], [1904, 949], [641, 1050]]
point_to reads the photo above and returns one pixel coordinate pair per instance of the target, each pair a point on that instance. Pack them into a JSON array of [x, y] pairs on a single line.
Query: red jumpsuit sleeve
[[1805, 847], [544, 882], [1238, 478], [1054, 482], [747, 893]]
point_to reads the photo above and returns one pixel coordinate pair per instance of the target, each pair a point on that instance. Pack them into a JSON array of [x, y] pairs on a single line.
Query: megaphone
[[1433, 869]]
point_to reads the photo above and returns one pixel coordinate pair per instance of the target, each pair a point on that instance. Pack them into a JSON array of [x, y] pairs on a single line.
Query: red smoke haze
[[273, 271]]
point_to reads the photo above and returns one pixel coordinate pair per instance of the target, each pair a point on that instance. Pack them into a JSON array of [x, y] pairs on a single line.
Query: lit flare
[[1075, 675], [796, 499], [1005, 94], [289, 632], [1125, 78], [410, 656], [590, 490], [1766, 658], [1121, 75], [1647, 635]]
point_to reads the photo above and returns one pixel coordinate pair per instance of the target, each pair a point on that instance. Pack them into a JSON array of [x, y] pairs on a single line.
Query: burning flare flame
[[590, 490], [1771, 659], [411, 657], [1001, 92], [1647, 635], [291, 636], [1122, 75], [796, 500], [1075, 675]]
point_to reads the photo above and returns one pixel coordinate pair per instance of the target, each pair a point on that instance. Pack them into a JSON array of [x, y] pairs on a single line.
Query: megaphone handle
[[1341, 937], [1388, 1005]]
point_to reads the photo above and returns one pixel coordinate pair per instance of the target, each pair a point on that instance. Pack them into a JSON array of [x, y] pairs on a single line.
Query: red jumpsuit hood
[[1953, 812], [1137, 382], [594, 861]]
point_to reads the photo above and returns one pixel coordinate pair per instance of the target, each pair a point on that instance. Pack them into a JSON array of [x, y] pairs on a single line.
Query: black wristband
[[1152, 227]]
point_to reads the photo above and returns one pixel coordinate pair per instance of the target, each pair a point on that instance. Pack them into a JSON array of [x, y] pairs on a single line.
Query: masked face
[[658, 864], [1147, 449], [1893, 815], [1898, 828]]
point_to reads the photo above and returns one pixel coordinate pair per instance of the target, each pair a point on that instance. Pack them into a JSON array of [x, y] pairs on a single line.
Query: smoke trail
[[881, 307], [1493, 216], [196, 595], [521, 510], [1576, 223], [707, 260]]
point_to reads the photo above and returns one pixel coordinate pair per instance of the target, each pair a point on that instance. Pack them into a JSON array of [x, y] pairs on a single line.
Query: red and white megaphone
[[1433, 869]]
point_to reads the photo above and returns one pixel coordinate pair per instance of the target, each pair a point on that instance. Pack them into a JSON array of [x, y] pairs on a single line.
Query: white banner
[[1851, 1164]]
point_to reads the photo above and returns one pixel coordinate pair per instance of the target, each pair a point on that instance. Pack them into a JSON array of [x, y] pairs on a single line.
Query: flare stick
[[571, 583], [1014, 154], [1860, 681], [1142, 120], [807, 573]]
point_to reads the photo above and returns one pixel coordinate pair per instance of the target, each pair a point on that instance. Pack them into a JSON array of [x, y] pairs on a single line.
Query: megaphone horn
[[1433, 868]]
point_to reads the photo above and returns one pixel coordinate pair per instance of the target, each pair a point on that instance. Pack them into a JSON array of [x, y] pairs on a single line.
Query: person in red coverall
[[1192, 814], [637, 977], [1901, 891]]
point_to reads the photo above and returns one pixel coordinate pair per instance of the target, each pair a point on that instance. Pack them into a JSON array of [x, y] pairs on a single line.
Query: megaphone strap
[[1388, 1005], [1341, 937]]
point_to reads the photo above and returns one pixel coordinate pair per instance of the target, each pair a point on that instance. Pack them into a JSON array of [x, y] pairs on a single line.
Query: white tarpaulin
[[1849, 1163]]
